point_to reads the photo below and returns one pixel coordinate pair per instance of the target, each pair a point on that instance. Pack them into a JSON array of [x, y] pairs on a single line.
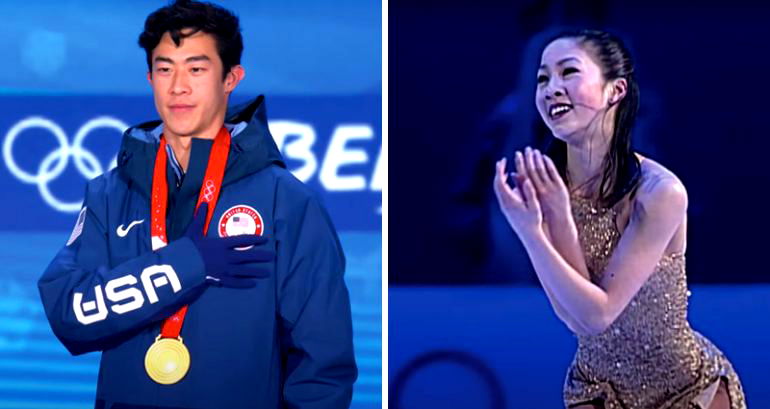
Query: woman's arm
[[512, 198], [659, 209], [566, 243], [564, 237], [563, 314], [557, 211], [558, 224]]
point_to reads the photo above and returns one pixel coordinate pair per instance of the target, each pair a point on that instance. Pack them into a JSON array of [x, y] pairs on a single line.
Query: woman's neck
[[585, 161]]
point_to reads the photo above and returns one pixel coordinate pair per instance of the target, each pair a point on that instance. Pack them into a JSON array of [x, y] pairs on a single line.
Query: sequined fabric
[[650, 357]]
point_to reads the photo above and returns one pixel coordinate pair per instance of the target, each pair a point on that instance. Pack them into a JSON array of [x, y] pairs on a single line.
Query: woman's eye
[[569, 70], [541, 79]]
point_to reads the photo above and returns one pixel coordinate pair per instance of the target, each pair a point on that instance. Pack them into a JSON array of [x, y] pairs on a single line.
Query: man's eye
[[163, 69], [541, 79], [569, 70], [197, 70]]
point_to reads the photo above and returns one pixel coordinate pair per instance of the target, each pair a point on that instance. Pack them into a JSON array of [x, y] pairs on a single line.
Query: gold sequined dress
[[650, 357]]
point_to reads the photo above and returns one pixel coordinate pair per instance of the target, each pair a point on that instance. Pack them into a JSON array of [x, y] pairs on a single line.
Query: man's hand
[[226, 265]]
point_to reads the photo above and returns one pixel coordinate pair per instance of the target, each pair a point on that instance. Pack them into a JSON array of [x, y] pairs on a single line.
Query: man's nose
[[179, 84]]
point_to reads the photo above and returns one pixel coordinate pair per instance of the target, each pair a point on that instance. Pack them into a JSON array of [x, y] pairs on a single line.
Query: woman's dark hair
[[621, 170], [197, 16]]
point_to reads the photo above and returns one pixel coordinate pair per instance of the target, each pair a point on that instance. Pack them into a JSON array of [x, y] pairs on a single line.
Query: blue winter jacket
[[286, 343]]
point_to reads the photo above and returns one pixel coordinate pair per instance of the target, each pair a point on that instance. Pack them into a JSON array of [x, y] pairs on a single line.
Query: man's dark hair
[[196, 16]]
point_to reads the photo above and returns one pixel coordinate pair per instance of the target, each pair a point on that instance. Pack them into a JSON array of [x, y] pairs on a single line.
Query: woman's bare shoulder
[[660, 187]]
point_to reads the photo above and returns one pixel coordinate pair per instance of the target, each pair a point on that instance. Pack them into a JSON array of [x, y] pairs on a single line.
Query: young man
[[207, 275]]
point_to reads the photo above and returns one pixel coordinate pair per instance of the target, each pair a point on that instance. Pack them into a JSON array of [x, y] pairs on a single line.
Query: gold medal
[[167, 360]]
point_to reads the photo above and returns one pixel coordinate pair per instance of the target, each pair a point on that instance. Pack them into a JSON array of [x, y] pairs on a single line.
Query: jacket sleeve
[[316, 328], [91, 306]]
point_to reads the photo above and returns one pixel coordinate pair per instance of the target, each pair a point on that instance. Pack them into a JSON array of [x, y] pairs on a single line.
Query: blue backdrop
[[77, 80]]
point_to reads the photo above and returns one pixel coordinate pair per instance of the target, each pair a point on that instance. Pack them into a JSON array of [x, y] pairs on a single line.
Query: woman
[[605, 229]]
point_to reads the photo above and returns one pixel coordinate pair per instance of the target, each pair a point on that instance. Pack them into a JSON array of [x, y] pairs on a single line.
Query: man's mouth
[[180, 108], [557, 111]]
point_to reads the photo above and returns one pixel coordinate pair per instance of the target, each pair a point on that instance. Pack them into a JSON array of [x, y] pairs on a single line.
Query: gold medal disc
[[167, 360]]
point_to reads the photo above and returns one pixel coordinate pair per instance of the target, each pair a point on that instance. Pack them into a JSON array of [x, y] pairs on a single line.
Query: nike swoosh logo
[[122, 232]]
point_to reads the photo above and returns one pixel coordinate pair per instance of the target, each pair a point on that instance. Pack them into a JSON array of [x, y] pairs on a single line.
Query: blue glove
[[226, 266]]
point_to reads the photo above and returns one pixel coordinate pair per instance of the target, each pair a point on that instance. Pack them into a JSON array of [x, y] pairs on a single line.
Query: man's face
[[190, 95]]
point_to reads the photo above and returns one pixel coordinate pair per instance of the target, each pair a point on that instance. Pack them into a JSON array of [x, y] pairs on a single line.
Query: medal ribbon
[[209, 193]]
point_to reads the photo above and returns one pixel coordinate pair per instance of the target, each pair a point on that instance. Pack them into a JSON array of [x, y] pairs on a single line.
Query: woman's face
[[571, 89]]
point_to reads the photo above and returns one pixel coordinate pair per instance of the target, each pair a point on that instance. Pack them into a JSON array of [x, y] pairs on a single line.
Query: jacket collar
[[252, 147]]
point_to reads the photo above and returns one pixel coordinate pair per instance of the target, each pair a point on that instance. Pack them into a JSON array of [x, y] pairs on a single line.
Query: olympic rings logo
[[53, 164], [209, 190]]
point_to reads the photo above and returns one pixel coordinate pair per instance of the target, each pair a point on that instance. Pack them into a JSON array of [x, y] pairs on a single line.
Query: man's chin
[[181, 132]]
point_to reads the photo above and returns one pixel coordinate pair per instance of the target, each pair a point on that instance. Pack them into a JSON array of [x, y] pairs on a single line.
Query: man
[[234, 299]]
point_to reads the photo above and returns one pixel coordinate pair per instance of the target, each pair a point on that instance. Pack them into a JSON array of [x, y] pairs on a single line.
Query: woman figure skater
[[605, 230]]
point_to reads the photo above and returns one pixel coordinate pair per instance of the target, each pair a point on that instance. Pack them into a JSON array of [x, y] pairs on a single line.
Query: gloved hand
[[226, 266]]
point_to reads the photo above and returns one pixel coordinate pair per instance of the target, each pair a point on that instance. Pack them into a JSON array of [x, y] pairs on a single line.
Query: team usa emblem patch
[[240, 219]]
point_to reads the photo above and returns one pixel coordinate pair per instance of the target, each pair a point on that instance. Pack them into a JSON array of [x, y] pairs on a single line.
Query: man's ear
[[236, 74], [618, 90], [149, 77]]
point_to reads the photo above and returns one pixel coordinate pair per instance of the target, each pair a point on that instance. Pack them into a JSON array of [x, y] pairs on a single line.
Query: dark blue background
[[462, 96]]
